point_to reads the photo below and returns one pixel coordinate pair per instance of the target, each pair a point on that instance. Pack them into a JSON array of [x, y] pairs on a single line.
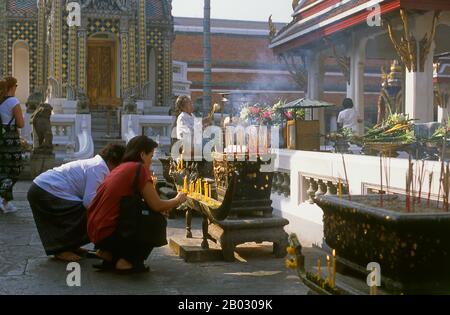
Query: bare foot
[[123, 264], [80, 251], [107, 256], [68, 257]]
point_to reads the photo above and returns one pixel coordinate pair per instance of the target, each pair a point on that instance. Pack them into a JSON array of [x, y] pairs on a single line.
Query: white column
[[419, 85], [443, 114], [315, 86], [355, 90]]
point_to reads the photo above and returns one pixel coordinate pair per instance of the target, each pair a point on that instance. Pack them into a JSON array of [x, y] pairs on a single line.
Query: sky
[[250, 10]]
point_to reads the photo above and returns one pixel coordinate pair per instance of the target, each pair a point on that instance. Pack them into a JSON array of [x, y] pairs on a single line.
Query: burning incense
[[430, 182], [346, 178], [381, 180], [446, 187], [441, 176], [409, 179], [421, 178]]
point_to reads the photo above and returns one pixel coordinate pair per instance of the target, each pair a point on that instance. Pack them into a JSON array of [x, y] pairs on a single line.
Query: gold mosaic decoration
[[103, 26], [57, 38], [40, 43], [82, 59], [124, 42], [142, 42], [155, 40], [132, 58], [73, 55]]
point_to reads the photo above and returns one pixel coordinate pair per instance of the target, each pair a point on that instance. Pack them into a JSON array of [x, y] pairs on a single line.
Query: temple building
[[121, 48], [244, 66], [354, 33]]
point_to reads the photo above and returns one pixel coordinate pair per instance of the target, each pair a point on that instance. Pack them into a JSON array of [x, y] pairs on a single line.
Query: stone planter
[[413, 249]]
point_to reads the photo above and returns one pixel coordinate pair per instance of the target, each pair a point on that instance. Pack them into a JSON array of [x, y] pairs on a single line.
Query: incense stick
[[430, 182], [346, 178], [381, 180]]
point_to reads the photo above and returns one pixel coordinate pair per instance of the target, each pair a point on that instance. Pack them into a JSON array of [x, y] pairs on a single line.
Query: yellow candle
[[185, 186], [200, 188], [333, 275], [182, 166], [339, 189], [318, 269], [328, 269]]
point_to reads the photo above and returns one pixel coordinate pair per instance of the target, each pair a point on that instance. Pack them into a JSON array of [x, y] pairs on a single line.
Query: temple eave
[[303, 36]]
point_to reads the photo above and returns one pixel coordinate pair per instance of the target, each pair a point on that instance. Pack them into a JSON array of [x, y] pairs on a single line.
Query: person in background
[[119, 253], [11, 119], [59, 199], [348, 117]]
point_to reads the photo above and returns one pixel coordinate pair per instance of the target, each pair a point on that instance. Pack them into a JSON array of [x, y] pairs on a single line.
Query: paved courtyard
[[25, 269]]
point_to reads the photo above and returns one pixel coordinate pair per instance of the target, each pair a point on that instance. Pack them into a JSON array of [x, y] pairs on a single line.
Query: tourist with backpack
[[11, 119]]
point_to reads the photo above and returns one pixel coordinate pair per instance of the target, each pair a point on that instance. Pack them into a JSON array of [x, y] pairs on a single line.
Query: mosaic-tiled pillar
[[41, 44], [124, 61], [142, 45], [82, 39], [57, 38], [132, 52], [3, 40], [73, 39], [167, 71], [3, 50]]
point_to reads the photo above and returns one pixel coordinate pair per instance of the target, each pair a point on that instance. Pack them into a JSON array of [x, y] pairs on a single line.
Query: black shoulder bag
[[137, 221]]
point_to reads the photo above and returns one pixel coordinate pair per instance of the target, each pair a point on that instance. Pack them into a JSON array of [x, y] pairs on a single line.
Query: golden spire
[[272, 28]]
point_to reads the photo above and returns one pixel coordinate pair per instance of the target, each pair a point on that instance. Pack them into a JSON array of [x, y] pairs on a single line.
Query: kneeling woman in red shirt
[[118, 252]]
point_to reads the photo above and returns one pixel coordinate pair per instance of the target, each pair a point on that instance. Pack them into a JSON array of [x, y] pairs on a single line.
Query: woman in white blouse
[[59, 198]]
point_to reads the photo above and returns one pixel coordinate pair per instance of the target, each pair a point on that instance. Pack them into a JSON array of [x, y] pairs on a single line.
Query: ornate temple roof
[[155, 9], [314, 19], [22, 7]]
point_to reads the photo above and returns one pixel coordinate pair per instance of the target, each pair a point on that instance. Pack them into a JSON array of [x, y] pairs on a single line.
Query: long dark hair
[[136, 146]]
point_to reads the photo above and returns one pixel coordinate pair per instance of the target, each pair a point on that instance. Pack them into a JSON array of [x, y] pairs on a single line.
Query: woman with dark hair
[[11, 119], [348, 117], [123, 254], [59, 199]]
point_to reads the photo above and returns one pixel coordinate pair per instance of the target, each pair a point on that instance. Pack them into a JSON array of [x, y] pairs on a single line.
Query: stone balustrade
[[72, 139], [310, 174], [281, 183]]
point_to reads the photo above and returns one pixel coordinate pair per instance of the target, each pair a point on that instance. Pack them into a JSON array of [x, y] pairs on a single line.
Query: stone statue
[[33, 101], [82, 102], [42, 129]]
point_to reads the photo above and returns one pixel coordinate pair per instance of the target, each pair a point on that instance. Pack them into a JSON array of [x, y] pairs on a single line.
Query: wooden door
[[101, 77]]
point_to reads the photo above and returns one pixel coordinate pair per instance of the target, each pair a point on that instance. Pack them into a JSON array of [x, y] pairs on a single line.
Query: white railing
[[72, 138], [154, 126], [315, 173]]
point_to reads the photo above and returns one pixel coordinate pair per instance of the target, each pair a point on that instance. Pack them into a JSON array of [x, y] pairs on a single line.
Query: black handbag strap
[[136, 179]]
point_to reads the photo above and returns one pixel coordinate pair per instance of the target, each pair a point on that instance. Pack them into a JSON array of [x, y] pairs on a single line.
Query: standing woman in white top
[[348, 118], [59, 199], [11, 119], [185, 121]]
